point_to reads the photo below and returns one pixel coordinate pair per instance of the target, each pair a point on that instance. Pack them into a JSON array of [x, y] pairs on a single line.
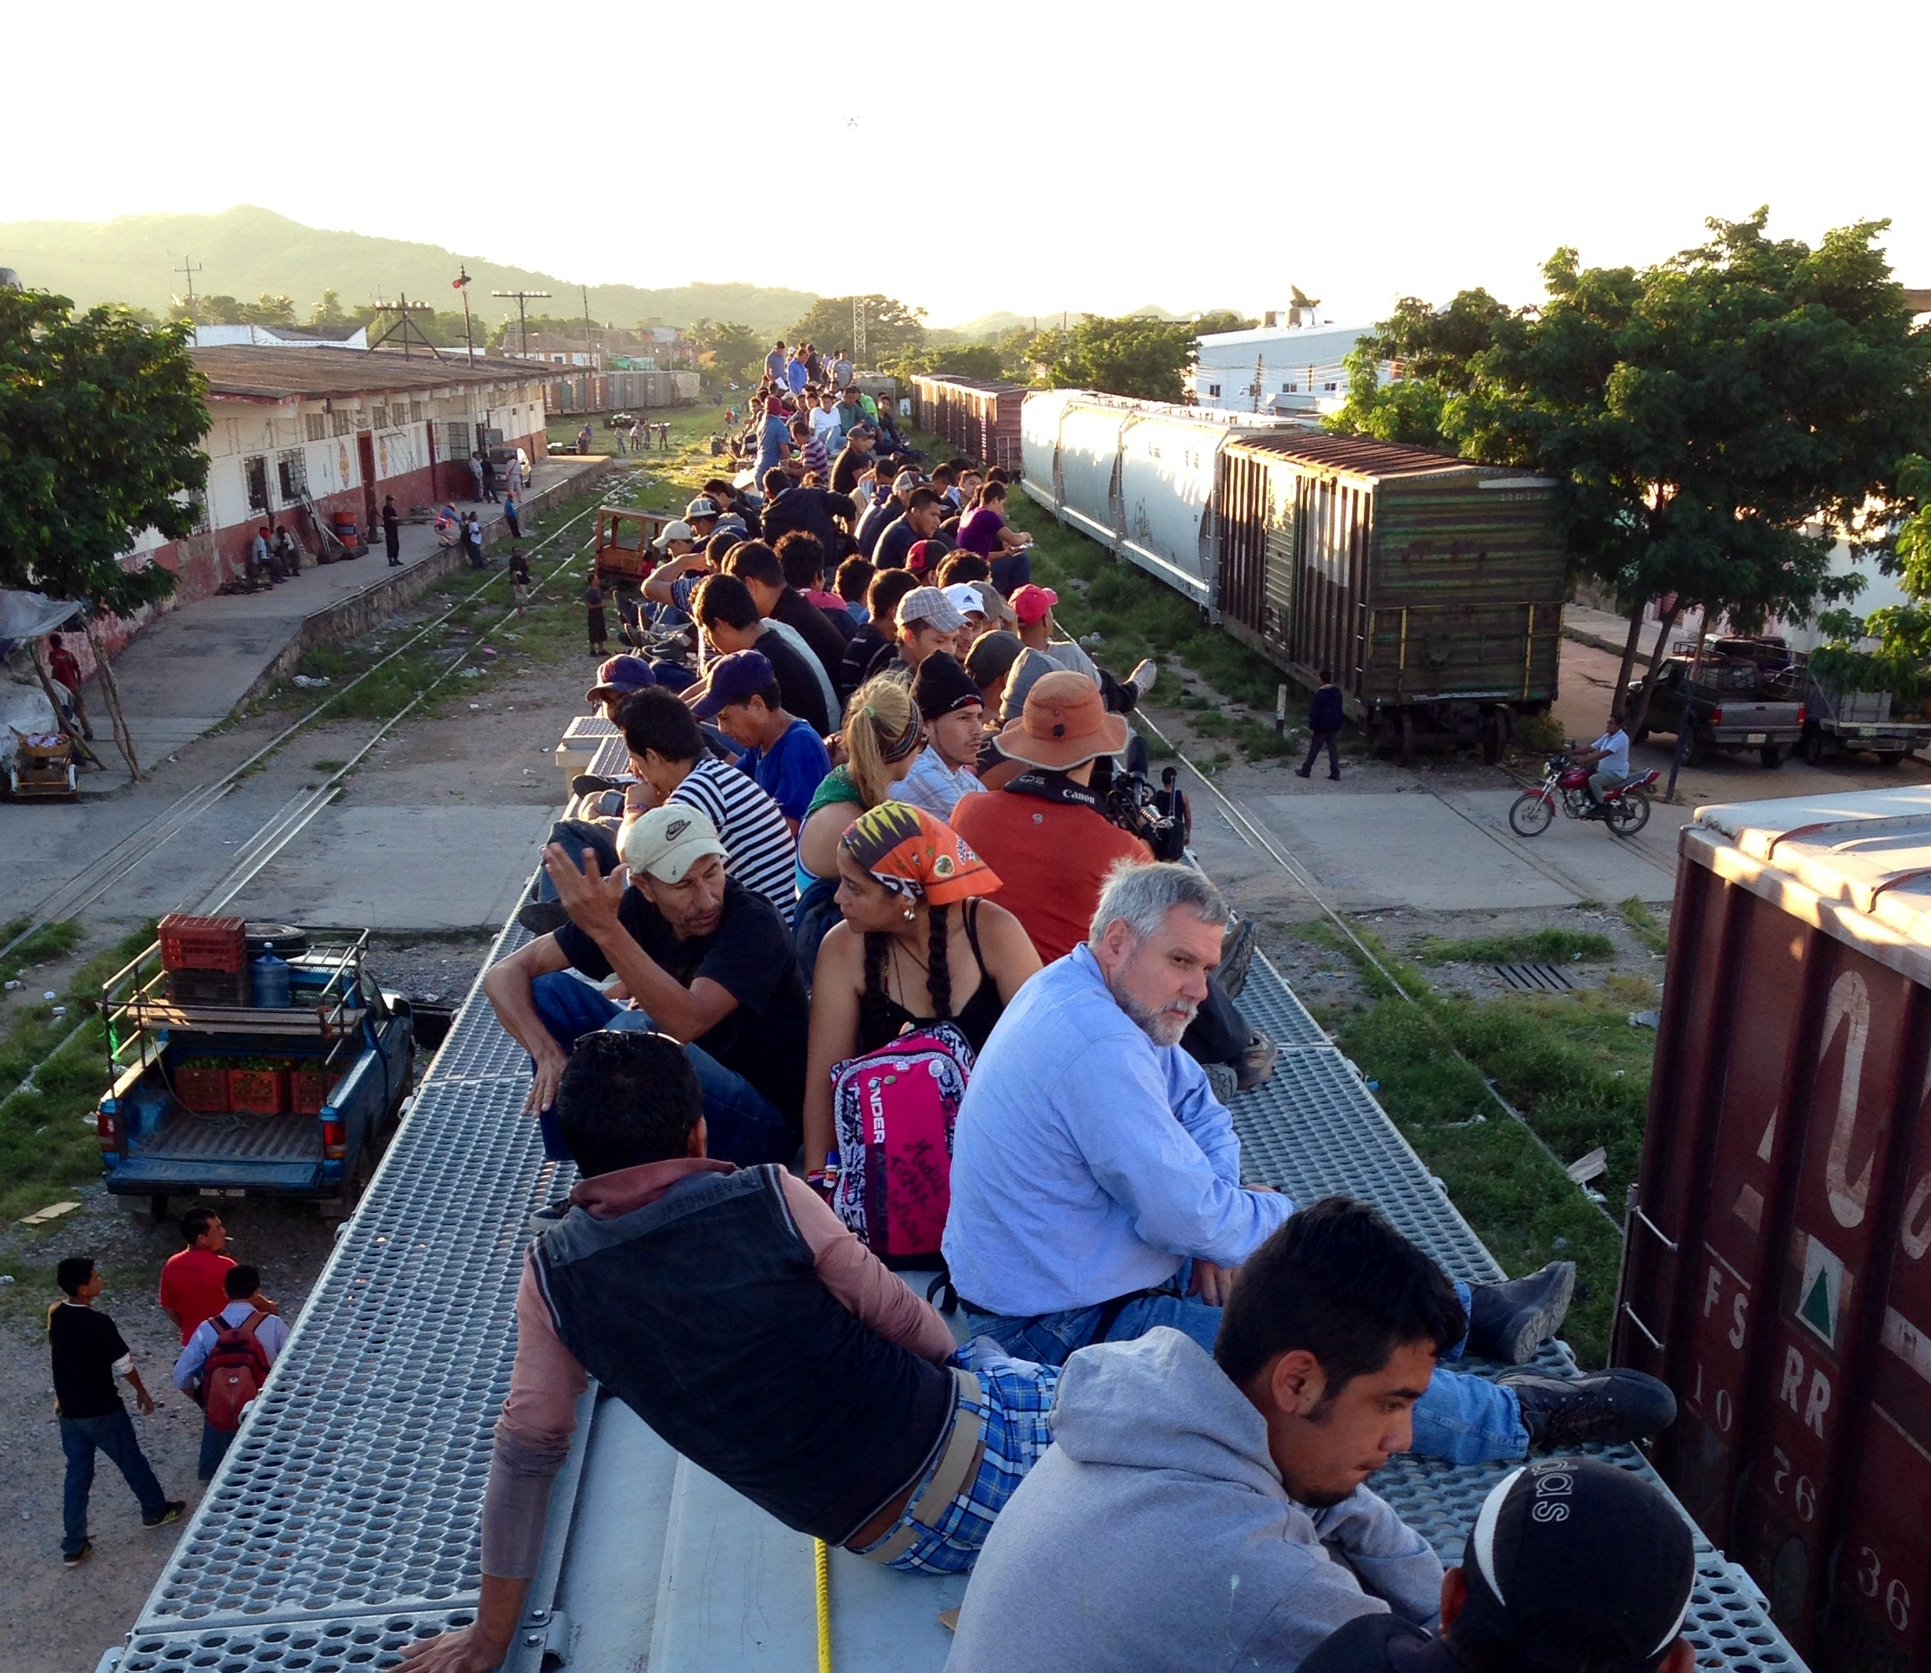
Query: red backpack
[[237, 1367], [893, 1112]]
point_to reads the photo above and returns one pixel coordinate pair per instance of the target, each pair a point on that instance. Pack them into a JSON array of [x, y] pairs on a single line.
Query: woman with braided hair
[[902, 957]]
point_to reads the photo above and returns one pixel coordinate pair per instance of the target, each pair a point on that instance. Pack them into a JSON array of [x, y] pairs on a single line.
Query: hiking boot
[[542, 917], [1256, 1063], [73, 1559], [169, 1512], [1221, 1077], [1236, 954], [1508, 1322], [1606, 1409]]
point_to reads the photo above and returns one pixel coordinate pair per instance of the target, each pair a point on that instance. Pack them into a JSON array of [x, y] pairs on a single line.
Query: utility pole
[[469, 336], [858, 332], [188, 269], [1260, 371], [589, 349], [522, 313], [402, 308]]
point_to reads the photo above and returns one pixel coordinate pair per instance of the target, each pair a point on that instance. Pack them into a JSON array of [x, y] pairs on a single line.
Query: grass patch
[[1544, 946], [43, 946], [1574, 1069], [1637, 915]]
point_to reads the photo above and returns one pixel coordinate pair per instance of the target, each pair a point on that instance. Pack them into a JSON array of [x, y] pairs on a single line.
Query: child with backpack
[[227, 1360]]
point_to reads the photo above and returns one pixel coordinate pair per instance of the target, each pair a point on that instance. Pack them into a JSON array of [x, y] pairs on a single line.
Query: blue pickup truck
[[214, 1096]]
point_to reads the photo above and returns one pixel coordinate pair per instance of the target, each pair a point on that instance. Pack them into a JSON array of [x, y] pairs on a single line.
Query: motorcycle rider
[[1608, 761]]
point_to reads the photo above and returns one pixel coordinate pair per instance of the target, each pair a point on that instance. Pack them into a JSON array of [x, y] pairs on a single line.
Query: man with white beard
[[1097, 1194]]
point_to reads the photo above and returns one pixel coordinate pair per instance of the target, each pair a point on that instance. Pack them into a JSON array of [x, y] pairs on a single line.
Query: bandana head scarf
[[917, 857]]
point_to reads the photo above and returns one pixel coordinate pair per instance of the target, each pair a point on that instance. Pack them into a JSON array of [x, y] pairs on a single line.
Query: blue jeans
[[214, 1447], [80, 1439], [1461, 1419], [744, 1125], [1012, 570]]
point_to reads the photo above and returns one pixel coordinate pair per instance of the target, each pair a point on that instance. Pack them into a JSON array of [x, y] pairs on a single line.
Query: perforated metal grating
[[347, 1646], [1289, 1021], [612, 758], [358, 1481]]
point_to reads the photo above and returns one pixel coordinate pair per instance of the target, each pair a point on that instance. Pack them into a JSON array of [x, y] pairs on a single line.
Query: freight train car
[[1775, 1272], [980, 420], [1137, 476], [1430, 586]]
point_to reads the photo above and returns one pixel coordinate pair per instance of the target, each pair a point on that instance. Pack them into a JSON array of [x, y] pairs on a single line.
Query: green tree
[[1902, 632], [734, 350], [101, 427], [1137, 356], [268, 310], [1711, 419], [959, 360], [329, 314], [891, 327]]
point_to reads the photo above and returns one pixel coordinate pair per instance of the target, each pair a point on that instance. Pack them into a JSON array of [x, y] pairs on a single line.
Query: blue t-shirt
[[790, 771], [772, 440]]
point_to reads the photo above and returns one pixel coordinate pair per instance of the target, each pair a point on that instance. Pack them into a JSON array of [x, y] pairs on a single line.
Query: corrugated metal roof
[[1359, 456], [277, 373]]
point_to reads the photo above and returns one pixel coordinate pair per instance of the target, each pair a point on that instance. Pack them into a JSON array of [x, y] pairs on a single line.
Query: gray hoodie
[[1156, 1535]]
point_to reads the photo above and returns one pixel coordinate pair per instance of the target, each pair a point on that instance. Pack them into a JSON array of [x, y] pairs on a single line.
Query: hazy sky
[[1032, 157]]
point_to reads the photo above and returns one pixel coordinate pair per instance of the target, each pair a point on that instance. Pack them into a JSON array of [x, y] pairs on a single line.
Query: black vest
[[704, 1314]]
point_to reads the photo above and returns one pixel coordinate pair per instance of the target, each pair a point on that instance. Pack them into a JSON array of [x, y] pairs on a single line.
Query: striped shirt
[[757, 841], [817, 460]]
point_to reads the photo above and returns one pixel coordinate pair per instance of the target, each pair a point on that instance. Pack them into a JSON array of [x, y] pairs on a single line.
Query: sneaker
[[1256, 1063], [542, 917], [73, 1559], [1508, 1322], [1236, 954], [1145, 672], [585, 783], [1607, 1409], [1302, 772], [170, 1512]]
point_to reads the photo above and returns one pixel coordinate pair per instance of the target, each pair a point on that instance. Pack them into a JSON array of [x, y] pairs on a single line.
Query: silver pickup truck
[[1728, 705]]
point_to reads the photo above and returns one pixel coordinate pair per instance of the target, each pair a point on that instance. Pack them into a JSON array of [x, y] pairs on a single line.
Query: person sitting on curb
[[668, 755], [1572, 1566], [699, 957], [1096, 1187], [782, 754], [1207, 1511], [954, 714], [734, 1314]]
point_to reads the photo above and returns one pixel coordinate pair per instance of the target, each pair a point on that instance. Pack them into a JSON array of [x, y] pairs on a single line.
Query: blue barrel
[[271, 979]]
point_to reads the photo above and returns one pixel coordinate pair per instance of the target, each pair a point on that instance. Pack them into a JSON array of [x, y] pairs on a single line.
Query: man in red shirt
[[193, 1281], [61, 663], [1043, 831]]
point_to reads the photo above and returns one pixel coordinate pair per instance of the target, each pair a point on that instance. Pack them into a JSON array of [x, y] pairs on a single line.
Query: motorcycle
[[1625, 810]]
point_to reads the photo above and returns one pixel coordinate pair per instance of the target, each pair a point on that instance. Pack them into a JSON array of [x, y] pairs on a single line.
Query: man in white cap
[[698, 956], [677, 540]]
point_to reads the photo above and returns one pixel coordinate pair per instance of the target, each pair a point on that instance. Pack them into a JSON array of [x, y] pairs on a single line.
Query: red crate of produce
[[204, 943], [258, 1091], [309, 1088], [202, 1087]]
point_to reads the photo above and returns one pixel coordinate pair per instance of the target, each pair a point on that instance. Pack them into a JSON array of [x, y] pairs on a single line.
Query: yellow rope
[[822, 1557]]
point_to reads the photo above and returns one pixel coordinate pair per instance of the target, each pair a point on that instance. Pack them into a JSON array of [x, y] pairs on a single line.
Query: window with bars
[[379, 418], [317, 424], [291, 472], [344, 423], [415, 412], [254, 475]]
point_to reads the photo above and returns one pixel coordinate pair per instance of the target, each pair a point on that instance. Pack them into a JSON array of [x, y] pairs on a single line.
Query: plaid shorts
[[1017, 1412]]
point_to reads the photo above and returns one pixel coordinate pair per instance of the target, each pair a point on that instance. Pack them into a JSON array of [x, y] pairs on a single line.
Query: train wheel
[[1531, 813], [1629, 814], [1405, 749]]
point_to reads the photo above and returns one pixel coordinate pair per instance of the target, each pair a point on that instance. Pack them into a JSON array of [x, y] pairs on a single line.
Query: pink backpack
[[893, 1111]]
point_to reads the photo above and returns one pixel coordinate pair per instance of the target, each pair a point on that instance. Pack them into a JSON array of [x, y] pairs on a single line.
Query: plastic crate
[[204, 943], [205, 1091], [208, 987], [309, 1089], [258, 1091]]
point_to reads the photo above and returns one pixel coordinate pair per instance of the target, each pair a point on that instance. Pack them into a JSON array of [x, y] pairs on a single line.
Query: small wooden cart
[[624, 534], [42, 769]]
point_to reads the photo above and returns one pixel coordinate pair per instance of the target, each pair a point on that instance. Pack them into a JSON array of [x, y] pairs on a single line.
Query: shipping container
[[1774, 1267], [979, 420], [1431, 587]]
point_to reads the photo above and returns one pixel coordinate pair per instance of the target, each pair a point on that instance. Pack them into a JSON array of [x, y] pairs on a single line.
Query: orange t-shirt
[[1052, 859], [192, 1287]]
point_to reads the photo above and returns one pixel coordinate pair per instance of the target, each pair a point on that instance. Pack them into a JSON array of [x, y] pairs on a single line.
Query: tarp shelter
[[28, 616]]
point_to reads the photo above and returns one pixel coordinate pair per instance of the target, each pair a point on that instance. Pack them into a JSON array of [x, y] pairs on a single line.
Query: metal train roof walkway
[[345, 1522]]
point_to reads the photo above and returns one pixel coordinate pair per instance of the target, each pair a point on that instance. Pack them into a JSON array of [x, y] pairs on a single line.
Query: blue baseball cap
[[619, 676], [733, 678]]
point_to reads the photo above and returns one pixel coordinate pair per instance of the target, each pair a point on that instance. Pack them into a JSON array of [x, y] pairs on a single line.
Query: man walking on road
[[61, 663], [391, 531], [229, 1356], [1325, 718], [88, 1354]]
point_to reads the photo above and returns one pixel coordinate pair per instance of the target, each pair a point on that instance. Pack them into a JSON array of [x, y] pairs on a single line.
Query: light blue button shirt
[[1089, 1162]]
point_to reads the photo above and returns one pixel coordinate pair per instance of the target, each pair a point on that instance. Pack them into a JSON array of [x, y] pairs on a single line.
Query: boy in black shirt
[[87, 1355]]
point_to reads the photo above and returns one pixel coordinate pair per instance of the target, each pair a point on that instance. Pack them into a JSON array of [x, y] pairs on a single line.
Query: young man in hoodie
[[1206, 1512], [739, 1318], [1096, 1183]]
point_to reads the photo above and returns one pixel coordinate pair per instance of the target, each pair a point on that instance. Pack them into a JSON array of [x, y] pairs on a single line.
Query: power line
[[522, 313]]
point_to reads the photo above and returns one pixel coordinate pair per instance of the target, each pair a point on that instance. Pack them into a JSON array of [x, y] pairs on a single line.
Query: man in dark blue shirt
[[1325, 718]]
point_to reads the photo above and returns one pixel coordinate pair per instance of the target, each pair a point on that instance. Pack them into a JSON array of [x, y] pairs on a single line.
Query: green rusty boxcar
[[1431, 587]]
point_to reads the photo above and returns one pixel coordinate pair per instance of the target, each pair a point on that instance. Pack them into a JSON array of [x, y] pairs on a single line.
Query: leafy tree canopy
[[891, 327]]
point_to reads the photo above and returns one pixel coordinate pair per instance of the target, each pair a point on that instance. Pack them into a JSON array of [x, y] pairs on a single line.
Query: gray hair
[[1140, 894]]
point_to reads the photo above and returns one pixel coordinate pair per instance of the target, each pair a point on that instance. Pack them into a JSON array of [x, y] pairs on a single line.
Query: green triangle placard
[[1815, 1310]]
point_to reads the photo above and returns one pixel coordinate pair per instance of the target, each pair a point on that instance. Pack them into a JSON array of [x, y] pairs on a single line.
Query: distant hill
[[248, 252]]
